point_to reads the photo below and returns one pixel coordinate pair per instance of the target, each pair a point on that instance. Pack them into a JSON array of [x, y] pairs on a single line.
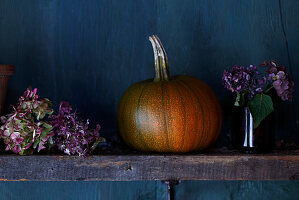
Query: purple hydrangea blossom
[[242, 79], [280, 79], [23, 130], [72, 134]]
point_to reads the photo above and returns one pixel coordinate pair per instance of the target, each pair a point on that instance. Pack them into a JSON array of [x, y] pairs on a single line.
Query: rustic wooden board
[[150, 167]]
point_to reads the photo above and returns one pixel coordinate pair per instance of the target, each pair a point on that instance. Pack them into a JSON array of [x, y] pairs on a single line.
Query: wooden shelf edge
[[150, 167]]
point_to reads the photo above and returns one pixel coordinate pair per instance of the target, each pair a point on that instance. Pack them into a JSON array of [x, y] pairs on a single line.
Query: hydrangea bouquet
[[253, 87], [72, 134], [25, 130]]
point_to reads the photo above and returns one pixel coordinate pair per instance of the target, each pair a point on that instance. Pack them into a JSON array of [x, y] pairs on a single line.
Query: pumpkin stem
[[161, 61]]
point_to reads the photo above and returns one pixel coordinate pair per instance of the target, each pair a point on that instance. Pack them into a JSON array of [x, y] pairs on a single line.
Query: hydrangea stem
[[161, 61], [269, 89]]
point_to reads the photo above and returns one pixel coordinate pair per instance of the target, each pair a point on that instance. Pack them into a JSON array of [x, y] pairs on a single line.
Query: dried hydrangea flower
[[242, 79], [72, 134], [281, 80], [23, 130]]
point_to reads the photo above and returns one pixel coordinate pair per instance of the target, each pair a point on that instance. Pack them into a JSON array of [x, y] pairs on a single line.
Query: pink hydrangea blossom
[[24, 130]]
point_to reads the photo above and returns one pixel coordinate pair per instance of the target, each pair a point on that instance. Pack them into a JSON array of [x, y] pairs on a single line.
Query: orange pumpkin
[[169, 114]]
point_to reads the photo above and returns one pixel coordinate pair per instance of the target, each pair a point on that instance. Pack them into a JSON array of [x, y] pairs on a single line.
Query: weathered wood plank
[[151, 167]]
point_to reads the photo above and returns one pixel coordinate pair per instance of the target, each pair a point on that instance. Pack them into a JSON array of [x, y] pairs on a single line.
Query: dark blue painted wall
[[88, 52], [150, 190]]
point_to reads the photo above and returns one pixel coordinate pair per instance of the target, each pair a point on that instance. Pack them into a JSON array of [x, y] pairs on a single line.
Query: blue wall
[[150, 190], [88, 52]]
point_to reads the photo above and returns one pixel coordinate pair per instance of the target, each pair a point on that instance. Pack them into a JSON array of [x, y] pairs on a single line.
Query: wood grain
[[150, 167], [80, 51]]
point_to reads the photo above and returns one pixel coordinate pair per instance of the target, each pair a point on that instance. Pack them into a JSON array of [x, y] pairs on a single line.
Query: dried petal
[[73, 136], [24, 126], [281, 80]]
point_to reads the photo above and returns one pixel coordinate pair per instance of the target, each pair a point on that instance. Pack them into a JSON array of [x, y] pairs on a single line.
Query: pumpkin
[[169, 114]]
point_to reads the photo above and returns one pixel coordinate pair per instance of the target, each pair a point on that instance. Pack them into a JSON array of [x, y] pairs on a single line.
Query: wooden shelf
[[207, 166]]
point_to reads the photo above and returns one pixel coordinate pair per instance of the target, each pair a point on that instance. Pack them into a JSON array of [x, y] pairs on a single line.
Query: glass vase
[[256, 140]]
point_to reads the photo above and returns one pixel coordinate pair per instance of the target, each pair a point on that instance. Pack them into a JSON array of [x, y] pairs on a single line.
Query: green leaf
[[35, 144], [46, 125], [237, 101], [44, 134], [260, 106], [95, 144], [38, 116], [21, 152], [243, 99]]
